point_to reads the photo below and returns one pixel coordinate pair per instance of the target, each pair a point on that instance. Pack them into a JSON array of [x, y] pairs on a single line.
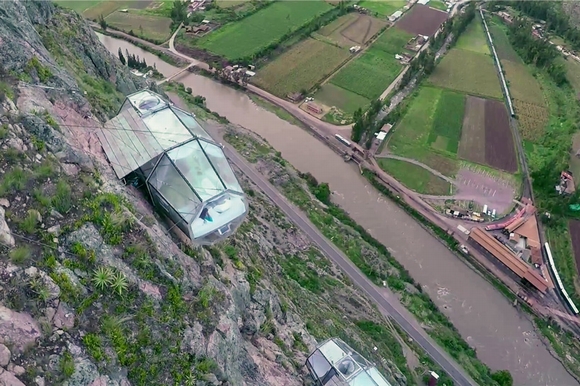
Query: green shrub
[[20, 255]]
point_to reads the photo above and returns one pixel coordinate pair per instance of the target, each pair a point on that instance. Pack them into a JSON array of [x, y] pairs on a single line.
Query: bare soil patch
[[422, 20], [204, 56], [352, 29], [472, 143], [362, 29], [485, 188], [499, 143], [574, 228]]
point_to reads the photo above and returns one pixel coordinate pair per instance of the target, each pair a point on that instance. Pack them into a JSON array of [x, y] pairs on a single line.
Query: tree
[[178, 13], [322, 193], [103, 22], [121, 57], [503, 378]]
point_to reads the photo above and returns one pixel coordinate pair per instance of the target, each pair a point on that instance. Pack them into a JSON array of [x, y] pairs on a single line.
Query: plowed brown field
[[499, 142], [422, 20], [472, 144]]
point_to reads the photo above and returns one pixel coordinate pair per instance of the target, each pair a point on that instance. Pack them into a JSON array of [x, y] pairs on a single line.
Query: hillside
[[95, 291]]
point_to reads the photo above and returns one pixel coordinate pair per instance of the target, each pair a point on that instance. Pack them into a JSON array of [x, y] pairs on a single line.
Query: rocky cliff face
[[94, 290]]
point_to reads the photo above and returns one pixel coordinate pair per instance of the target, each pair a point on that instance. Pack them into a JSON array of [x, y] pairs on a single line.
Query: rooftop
[[334, 363], [186, 172]]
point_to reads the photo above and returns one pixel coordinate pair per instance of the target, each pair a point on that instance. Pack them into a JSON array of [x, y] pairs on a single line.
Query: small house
[[395, 16]]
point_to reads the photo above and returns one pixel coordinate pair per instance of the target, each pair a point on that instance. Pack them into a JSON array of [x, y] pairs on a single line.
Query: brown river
[[502, 337]]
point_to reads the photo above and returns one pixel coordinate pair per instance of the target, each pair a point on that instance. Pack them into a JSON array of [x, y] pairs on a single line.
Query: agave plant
[[103, 277], [119, 283]]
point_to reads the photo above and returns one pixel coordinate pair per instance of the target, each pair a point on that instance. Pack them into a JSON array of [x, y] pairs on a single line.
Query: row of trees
[[538, 52], [132, 61], [424, 64], [367, 124], [557, 21]]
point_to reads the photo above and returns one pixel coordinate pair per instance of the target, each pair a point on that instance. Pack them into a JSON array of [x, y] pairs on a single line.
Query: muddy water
[[503, 339]]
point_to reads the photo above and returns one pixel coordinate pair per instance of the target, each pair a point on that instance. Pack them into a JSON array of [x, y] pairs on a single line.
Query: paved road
[[388, 305]]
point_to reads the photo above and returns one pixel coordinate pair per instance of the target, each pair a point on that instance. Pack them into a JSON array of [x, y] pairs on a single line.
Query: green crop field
[[300, 68], [504, 49], [474, 39], [415, 177], [331, 95], [248, 36], [437, 4], [369, 75], [384, 7], [230, 3], [392, 41], [414, 136], [447, 122], [80, 6], [469, 72], [149, 27]]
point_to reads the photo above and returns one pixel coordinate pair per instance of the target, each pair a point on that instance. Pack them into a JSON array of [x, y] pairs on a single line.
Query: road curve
[[388, 305]]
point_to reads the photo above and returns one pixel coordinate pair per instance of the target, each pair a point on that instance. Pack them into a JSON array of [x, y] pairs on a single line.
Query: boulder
[[6, 237]]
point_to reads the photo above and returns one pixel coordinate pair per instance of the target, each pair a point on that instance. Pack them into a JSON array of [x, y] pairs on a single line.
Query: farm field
[[446, 130], [468, 72], [150, 27], [392, 41], [411, 135], [472, 144], [368, 75], [504, 49], [230, 3], [383, 7], [254, 33], [371, 73], [499, 142], [331, 95], [486, 137], [92, 9], [300, 68], [415, 177], [473, 39], [437, 4], [350, 29], [79, 6], [422, 19], [528, 98]]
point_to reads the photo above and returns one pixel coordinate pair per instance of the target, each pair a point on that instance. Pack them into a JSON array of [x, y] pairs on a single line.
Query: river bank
[[472, 305]]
